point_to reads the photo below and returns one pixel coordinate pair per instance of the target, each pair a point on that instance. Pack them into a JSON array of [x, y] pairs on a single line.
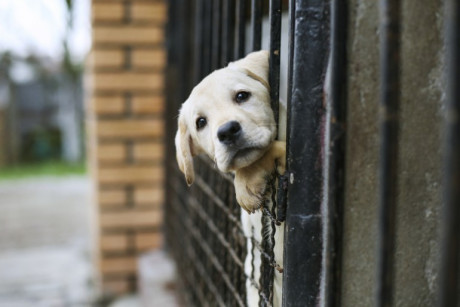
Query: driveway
[[45, 242]]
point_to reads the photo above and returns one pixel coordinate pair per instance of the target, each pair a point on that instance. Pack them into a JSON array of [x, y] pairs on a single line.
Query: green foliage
[[41, 144], [69, 4], [55, 168]]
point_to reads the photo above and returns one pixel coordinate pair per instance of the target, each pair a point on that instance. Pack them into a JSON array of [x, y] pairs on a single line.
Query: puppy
[[228, 117]]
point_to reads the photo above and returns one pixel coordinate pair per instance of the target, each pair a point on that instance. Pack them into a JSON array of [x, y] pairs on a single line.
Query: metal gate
[[203, 227]]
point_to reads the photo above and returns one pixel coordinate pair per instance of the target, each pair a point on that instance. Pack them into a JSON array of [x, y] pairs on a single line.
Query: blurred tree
[[73, 69], [71, 111]]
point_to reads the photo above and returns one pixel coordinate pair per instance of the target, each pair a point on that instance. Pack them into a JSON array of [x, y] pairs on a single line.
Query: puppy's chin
[[240, 158]]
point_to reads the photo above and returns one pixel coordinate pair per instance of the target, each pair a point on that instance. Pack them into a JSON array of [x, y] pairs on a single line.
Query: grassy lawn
[[56, 168]]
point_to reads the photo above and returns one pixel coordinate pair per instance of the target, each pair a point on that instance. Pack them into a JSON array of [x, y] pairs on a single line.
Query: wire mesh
[[206, 238], [203, 223]]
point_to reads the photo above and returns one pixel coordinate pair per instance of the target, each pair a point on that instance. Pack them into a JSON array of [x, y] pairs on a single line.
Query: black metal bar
[[199, 41], [389, 122], [268, 222], [187, 37], [310, 47], [177, 73], [240, 46], [228, 32], [170, 113], [256, 24], [450, 253], [275, 46], [216, 33], [207, 38], [335, 160]]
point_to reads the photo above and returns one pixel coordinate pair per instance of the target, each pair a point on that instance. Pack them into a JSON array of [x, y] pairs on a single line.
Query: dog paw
[[278, 151], [250, 202], [251, 181], [250, 194]]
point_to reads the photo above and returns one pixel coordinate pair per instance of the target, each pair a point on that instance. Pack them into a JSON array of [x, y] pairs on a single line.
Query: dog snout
[[229, 132]]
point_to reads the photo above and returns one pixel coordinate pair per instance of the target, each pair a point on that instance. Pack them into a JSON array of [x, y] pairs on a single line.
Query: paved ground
[[45, 243], [45, 249]]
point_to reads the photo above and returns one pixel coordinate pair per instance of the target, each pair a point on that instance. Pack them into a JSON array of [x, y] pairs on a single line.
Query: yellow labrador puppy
[[229, 118]]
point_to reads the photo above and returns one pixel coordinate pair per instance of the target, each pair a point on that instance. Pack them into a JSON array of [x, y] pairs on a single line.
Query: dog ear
[[255, 64], [184, 151]]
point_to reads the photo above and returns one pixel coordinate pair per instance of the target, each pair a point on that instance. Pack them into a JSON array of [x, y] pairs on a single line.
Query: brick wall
[[125, 127]]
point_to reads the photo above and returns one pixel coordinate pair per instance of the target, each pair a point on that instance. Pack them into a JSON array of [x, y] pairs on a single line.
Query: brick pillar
[[126, 131]]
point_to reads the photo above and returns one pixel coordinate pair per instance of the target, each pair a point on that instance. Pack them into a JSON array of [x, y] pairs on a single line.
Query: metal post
[[256, 24], [240, 46], [216, 33], [389, 122], [199, 41], [303, 253], [275, 46], [335, 160], [228, 32], [450, 253], [207, 38]]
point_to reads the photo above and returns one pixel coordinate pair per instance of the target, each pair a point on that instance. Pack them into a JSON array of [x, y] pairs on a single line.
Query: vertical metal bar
[[275, 45], [178, 79], [274, 81], [228, 31], [207, 38], [303, 252], [450, 253], [240, 46], [256, 24], [389, 122], [216, 33], [186, 38], [170, 124], [267, 270], [335, 160], [199, 41]]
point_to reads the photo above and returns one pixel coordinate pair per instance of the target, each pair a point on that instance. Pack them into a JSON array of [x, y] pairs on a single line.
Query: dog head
[[228, 117]]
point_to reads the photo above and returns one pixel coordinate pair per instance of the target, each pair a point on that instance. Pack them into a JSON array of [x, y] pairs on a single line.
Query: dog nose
[[229, 132]]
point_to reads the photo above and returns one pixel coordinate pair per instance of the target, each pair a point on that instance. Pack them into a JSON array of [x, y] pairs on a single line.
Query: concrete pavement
[[45, 243]]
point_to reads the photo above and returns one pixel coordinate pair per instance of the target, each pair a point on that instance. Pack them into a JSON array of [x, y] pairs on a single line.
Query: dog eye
[[242, 96], [200, 123]]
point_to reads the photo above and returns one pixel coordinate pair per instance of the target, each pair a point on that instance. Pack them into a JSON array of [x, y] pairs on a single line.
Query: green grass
[[55, 168]]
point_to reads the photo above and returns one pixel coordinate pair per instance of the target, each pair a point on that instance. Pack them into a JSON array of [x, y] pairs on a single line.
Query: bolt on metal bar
[[240, 46], [256, 24], [450, 225], [390, 37], [304, 222]]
